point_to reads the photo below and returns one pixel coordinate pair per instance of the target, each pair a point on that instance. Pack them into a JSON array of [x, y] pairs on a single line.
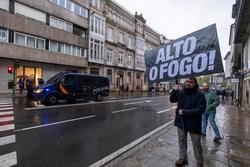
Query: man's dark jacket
[[193, 105]]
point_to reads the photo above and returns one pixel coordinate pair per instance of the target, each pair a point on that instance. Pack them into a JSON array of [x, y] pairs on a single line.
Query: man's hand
[[176, 87], [180, 112]]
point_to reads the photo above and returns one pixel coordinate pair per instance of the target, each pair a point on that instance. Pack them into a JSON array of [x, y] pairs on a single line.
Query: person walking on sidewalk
[[191, 105], [212, 102]]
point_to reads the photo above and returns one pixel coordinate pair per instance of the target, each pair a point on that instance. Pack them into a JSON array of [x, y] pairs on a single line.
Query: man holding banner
[[191, 105], [193, 55]]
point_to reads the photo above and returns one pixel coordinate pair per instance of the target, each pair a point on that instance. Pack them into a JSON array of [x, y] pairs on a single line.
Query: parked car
[[71, 86]]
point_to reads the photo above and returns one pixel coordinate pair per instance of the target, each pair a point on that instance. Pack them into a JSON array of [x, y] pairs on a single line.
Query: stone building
[[98, 37], [43, 37], [241, 50]]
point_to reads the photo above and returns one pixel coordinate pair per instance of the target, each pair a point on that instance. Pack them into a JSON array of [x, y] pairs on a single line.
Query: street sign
[[234, 80], [218, 80]]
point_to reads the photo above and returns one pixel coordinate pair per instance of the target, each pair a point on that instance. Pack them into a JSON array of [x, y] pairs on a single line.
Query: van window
[[68, 79]]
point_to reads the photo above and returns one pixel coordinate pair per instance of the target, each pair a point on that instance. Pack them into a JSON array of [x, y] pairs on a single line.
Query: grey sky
[[176, 18]]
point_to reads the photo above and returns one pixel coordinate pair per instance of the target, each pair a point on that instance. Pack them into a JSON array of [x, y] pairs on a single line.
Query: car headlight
[[38, 90]]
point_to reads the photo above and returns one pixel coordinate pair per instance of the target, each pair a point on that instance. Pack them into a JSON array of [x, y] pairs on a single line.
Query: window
[[62, 3], [120, 55], [61, 47], [96, 50], [109, 55], [3, 35], [40, 43], [61, 24], [129, 77], [4, 4], [140, 43], [95, 3], [130, 42], [20, 39], [53, 46], [77, 9], [67, 49], [110, 33], [109, 74], [68, 4], [29, 41], [97, 25], [121, 37], [129, 60], [29, 12]]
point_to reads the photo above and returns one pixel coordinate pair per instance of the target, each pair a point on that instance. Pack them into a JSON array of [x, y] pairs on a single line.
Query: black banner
[[193, 55]]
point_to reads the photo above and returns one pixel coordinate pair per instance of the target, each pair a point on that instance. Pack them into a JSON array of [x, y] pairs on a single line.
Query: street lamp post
[[141, 85]]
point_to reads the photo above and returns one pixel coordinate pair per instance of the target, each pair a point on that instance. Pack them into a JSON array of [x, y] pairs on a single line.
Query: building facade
[[100, 37], [241, 50], [43, 37], [97, 20], [153, 40]]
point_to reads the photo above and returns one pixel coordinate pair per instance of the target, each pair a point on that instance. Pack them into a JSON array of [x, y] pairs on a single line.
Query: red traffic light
[[10, 69]]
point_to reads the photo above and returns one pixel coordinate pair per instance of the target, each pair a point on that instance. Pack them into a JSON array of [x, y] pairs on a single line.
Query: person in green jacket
[[212, 102]]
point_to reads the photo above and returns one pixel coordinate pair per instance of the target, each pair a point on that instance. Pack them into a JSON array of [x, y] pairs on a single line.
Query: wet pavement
[[233, 150]]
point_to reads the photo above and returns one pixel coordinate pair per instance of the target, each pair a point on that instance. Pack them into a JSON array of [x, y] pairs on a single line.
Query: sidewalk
[[233, 150]]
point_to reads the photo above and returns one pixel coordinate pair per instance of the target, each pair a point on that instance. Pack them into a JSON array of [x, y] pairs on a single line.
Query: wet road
[[81, 134]]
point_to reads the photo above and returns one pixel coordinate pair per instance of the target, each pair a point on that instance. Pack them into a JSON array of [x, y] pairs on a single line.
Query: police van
[[71, 86]]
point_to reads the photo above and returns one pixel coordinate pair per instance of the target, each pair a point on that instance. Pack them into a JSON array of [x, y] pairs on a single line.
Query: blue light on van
[[47, 90]]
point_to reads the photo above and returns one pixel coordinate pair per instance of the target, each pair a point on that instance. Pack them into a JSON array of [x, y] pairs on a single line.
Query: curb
[[124, 152]]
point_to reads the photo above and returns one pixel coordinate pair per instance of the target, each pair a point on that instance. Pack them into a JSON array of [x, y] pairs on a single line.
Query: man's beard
[[190, 90]]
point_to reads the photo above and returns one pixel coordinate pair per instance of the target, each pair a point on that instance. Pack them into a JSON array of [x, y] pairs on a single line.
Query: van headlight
[[38, 91]]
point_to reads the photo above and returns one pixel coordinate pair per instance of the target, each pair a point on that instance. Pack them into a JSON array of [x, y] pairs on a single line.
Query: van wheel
[[52, 99], [99, 97]]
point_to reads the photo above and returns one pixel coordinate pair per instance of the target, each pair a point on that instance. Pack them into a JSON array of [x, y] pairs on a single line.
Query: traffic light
[[10, 69]]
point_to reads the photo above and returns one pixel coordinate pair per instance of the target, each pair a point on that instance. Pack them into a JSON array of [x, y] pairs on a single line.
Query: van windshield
[[54, 78]]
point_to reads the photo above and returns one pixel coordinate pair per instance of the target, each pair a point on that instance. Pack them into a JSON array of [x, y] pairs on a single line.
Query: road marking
[[6, 108], [7, 140], [159, 112], [138, 102], [6, 127], [55, 123], [83, 104], [128, 109], [6, 105], [9, 159], [6, 113], [157, 104], [128, 147], [6, 119]]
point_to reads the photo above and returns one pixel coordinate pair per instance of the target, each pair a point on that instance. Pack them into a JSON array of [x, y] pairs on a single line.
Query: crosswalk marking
[[6, 105], [6, 127], [6, 108], [7, 140], [6, 119], [9, 159], [6, 113]]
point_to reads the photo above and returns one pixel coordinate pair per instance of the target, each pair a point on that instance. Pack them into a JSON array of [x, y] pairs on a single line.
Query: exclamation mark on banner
[[211, 60]]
